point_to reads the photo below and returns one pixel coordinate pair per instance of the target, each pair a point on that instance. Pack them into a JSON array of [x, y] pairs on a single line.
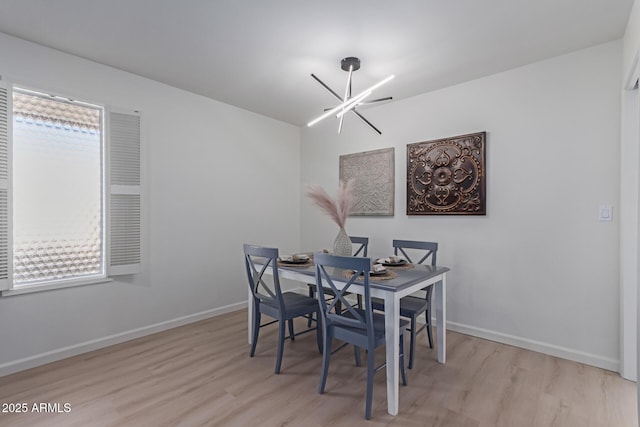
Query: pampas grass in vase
[[338, 210]]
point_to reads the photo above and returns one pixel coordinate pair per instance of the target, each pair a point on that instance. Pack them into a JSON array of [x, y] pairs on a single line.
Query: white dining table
[[406, 282]]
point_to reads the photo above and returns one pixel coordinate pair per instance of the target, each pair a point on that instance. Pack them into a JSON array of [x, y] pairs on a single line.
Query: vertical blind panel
[[4, 234], [125, 215], [125, 149], [4, 132], [125, 229]]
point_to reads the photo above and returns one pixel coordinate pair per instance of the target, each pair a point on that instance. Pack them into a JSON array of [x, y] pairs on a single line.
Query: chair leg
[[427, 314], [412, 344], [281, 338], [429, 333], [370, 372], [292, 334], [326, 355], [310, 319], [319, 328], [356, 353], [256, 331], [403, 369]]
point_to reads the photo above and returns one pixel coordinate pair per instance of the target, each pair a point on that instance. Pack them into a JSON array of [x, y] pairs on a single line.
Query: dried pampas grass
[[338, 209]]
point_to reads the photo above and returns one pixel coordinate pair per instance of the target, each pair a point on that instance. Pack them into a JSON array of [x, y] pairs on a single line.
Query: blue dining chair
[[361, 248], [413, 306], [358, 326], [362, 245], [269, 299]]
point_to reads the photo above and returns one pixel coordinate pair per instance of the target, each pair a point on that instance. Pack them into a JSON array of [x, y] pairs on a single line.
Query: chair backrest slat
[[329, 267], [258, 281], [364, 245], [261, 289], [430, 249]]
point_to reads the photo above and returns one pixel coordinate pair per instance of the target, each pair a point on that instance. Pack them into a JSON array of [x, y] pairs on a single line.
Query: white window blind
[[6, 253], [124, 212]]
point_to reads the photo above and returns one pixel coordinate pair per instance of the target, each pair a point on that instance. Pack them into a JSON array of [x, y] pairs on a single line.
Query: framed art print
[[447, 176], [373, 175]]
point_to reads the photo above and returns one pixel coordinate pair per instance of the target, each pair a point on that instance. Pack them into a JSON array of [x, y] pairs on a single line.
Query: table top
[[404, 278]]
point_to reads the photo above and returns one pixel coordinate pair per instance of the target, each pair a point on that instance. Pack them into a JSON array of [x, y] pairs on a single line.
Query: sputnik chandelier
[[349, 103]]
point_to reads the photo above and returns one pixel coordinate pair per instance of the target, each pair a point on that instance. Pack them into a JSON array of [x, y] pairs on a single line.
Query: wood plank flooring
[[201, 375]]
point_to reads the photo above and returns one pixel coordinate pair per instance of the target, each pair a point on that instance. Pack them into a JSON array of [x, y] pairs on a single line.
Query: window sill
[[41, 287]]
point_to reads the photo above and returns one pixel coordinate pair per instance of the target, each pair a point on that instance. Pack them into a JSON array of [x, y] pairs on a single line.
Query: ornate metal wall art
[[373, 175], [447, 176]]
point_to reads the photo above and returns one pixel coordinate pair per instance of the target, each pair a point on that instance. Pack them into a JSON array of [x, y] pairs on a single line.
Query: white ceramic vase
[[342, 244]]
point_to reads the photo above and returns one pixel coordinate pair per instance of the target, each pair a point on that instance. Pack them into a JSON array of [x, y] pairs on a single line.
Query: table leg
[[441, 318], [392, 337]]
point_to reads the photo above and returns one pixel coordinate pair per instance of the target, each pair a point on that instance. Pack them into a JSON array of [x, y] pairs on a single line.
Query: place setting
[[378, 272], [295, 260], [395, 262]]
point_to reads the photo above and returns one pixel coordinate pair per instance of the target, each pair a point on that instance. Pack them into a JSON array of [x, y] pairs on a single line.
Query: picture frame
[[373, 173], [447, 176]]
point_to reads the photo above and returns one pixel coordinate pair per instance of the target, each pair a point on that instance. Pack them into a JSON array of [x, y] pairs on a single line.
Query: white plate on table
[[387, 263]]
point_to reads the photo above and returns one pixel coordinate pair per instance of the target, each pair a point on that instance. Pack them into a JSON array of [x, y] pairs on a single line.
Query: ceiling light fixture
[[349, 102]]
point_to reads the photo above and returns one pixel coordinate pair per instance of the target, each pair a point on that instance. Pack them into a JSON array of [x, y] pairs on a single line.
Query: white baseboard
[[74, 350], [527, 344], [540, 347]]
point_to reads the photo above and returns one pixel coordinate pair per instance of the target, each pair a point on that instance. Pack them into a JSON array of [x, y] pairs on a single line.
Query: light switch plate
[[605, 213]]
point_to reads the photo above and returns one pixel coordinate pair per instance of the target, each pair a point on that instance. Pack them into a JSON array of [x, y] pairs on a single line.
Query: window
[[58, 231], [70, 209]]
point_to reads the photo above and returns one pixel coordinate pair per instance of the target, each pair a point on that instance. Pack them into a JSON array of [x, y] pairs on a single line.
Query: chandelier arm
[[352, 103], [347, 90], [373, 101], [345, 107], [364, 104], [349, 103], [347, 95], [327, 87], [367, 122]]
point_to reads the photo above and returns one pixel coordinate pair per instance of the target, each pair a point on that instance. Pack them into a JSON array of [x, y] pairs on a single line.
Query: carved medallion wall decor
[[373, 176], [447, 176]]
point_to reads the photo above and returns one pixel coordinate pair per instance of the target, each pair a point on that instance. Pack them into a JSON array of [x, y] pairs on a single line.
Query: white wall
[[631, 41], [539, 270], [630, 188], [212, 172]]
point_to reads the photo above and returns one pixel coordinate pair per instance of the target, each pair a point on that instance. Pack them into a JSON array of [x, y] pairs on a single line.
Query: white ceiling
[[258, 54]]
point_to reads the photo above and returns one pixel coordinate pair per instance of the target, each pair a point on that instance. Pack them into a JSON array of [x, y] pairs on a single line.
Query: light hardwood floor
[[201, 375]]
